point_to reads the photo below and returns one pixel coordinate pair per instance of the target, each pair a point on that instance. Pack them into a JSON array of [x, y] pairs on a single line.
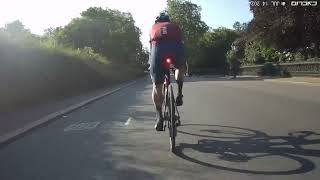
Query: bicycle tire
[[173, 128], [165, 107]]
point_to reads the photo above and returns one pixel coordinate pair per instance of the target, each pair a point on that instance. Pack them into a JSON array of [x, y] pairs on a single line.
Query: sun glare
[[37, 15]]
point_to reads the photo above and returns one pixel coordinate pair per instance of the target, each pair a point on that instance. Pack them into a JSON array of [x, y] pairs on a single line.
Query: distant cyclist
[[165, 38]]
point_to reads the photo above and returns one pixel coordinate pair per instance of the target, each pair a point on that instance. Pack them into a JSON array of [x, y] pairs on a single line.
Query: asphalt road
[[245, 129]]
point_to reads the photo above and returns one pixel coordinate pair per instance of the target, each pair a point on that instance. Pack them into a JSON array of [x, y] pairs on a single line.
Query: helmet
[[163, 17]]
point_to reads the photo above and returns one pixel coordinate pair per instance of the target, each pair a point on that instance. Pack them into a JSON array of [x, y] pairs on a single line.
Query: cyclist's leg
[[157, 76], [181, 69], [157, 97]]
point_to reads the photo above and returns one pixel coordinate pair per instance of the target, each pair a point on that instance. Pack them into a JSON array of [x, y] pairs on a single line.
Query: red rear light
[[168, 60]]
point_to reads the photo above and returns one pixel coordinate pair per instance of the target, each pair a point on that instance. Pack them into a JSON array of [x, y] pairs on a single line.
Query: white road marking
[[128, 121], [82, 126], [13, 134]]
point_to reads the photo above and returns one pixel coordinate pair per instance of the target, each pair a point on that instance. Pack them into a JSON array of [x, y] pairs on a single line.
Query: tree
[[287, 28], [16, 31], [188, 16], [213, 48], [109, 32], [143, 58], [240, 28], [16, 27], [51, 36]]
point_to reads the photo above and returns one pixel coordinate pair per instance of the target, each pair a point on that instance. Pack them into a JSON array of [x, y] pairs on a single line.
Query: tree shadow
[[235, 146]]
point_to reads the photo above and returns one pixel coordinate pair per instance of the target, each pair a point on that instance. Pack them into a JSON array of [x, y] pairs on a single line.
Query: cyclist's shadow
[[240, 148]]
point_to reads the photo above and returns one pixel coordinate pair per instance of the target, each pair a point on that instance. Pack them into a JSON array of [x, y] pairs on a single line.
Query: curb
[[11, 136], [293, 82]]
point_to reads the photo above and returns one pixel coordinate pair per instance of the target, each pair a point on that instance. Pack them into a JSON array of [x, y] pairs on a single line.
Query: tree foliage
[[286, 27], [214, 46], [16, 27], [109, 32], [16, 31], [234, 62], [279, 34], [188, 16], [240, 27], [206, 48]]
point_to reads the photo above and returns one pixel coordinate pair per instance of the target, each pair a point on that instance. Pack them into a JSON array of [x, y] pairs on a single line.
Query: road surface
[[242, 129]]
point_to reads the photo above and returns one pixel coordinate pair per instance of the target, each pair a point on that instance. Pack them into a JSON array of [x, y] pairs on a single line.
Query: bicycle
[[171, 120]]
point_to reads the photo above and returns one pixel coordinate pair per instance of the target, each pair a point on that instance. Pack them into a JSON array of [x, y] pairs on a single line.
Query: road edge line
[[11, 136]]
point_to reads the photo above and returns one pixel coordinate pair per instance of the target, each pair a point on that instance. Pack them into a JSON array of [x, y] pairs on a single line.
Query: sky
[[38, 15]]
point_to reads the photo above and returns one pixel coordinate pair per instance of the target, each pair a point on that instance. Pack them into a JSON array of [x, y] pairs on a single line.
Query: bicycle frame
[[167, 82], [170, 108], [167, 85]]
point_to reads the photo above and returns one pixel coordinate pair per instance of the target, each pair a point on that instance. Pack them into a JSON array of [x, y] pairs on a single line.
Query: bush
[[286, 56], [47, 73], [270, 54], [234, 63], [250, 53], [257, 52], [268, 69], [231, 57], [253, 53], [259, 59]]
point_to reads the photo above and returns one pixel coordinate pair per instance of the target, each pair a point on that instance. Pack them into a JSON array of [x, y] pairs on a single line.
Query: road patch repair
[[11, 136], [297, 80], [82, 126]]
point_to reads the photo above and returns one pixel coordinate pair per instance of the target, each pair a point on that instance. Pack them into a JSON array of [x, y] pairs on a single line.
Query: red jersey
[[165, 31]]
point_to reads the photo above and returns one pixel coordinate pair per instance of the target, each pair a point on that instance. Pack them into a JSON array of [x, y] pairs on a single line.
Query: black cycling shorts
[[158, 51]]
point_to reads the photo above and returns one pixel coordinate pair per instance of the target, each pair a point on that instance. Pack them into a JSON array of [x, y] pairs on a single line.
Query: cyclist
[[165, 38]]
